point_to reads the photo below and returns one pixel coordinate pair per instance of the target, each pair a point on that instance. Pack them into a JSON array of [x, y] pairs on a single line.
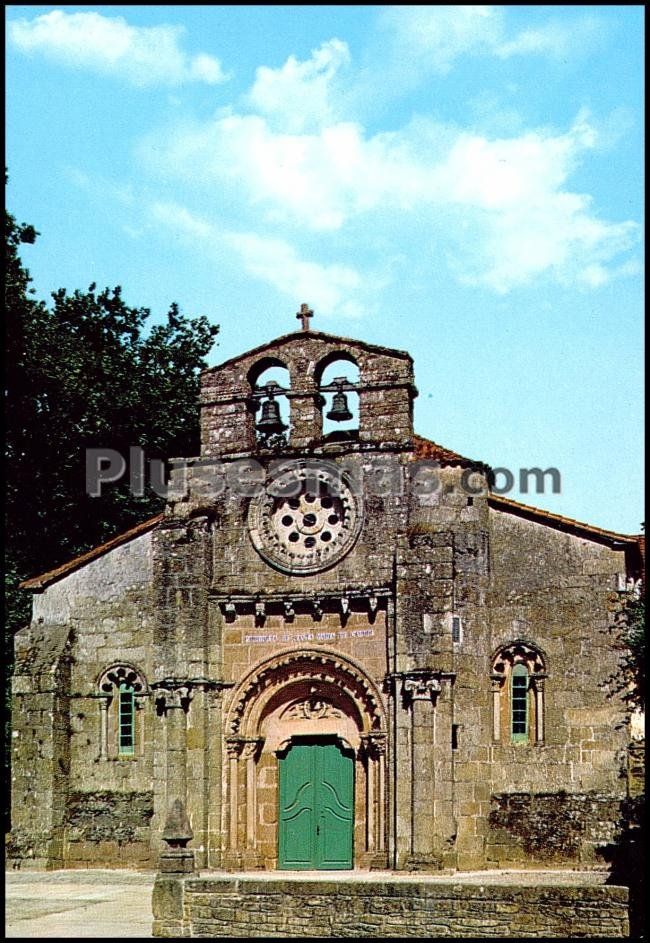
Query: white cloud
[[501, 206], [443, 33], [501, 209], [334, 290], [184, 223], [317, 180], [142, 56], [435, 36], [524, 222], [557, 39], [330, 288], [299, 94], [102, 188]]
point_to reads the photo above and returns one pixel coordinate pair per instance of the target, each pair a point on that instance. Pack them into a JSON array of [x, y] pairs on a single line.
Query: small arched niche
[[337, 379], [269, 384]]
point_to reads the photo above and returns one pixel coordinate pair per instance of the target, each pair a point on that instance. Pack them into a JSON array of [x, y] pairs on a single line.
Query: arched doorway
[[306, 774], [316, 805]]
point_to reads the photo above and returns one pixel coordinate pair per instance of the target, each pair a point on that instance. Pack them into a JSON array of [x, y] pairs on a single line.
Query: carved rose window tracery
[[305, 520]]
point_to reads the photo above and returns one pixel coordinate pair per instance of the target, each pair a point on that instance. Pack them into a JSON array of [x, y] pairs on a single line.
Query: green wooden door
[[316, 807]]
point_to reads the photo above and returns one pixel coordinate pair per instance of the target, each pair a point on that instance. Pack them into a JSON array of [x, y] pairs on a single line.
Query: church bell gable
[[235, 411]]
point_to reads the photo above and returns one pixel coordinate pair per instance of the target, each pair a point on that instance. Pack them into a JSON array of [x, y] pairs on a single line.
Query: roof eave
[[36, 584], [567, 524]]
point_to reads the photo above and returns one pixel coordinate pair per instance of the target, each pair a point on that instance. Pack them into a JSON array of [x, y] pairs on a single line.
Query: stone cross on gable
[[304, 315]]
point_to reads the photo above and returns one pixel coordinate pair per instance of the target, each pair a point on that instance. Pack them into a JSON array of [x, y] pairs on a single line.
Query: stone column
[[233, 750], [539, 710], [419, 690], [249, 754], [306, 421], [371, 812], [497, 684], [174, 699], [444, 820], [103, 727], [375, 751]]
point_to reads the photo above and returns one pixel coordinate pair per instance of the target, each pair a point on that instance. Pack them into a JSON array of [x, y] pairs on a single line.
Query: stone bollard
[[175, 864]]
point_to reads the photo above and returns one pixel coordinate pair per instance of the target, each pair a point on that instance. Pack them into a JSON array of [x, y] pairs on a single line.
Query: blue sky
[[461, 182]]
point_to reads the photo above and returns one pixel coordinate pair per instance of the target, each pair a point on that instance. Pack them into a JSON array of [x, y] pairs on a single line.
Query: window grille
[[519, 703], [126, 721]]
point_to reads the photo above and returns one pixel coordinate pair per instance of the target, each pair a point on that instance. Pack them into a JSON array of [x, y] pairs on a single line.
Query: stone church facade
[[331, 651]]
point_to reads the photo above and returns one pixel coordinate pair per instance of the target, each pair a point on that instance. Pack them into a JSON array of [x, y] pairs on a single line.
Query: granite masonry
[[333, 650], [386, 907]]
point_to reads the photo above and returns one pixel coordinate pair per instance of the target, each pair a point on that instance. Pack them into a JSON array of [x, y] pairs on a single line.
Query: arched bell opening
[[337, 379], [269, 384]]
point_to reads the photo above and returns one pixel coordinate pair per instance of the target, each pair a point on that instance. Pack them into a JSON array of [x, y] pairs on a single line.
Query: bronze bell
[[339, 411], [270, 421]]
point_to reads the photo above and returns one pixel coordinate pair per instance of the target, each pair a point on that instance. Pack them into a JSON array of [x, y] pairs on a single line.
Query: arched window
[[518, 675], [337, 378], [122, 691]]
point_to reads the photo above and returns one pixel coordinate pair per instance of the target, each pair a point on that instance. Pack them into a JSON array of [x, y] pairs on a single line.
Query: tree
[[85, 373], [634, 638]]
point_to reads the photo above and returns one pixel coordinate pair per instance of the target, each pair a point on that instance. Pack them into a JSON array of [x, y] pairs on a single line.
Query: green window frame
[[519, 683], [126, 720]]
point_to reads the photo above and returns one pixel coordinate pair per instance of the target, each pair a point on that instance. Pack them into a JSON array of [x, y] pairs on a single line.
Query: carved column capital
[[172, 693], [178, 692], [421, 686], [251, 748], [234, 747], [374, 744], [243, 747]]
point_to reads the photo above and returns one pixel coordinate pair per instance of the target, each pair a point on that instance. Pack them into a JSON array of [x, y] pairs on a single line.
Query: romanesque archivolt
[[122, 674], [334, 675]]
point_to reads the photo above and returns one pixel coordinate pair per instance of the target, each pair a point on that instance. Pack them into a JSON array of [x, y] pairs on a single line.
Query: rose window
[[305, 520]]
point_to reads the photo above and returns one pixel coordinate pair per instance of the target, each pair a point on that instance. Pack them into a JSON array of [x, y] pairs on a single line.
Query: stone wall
[[107, 827], [552, 828], [384, 908], [409, 618], [95, 617]]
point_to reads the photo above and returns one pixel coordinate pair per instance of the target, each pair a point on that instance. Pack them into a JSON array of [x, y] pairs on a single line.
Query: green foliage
[[86, 373], [634, 637]]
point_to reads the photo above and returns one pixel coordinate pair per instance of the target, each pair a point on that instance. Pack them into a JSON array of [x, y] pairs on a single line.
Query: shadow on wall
[[626, 858]]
